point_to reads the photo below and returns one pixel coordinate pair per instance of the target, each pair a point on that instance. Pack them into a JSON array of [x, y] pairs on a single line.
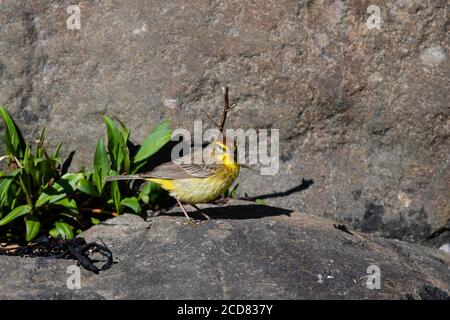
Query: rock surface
[[246, 252], [362, 112]]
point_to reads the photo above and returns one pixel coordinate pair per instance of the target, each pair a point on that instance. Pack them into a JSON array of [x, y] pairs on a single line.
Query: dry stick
[[226, 108], [210, 119]]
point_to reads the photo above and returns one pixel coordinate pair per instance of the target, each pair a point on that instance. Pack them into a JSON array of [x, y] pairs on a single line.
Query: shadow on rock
[[302, 186], [239, 212]]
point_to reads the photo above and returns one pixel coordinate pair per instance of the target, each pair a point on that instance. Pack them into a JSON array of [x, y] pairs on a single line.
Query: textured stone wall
[[363, 113]]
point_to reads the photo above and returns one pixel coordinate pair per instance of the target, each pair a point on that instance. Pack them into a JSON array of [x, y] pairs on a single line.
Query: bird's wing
[[171, 170], [183, 168], [199, 170]]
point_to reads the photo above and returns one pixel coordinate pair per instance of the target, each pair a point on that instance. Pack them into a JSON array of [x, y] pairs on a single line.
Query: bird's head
[[224, 150]]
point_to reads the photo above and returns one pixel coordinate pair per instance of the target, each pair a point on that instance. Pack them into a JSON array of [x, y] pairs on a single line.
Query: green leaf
[[95, 221], [115, 195], [5, 184], [58, 148], [15, 144], [62, 229], [32, 226], [132, 203], [144, 194], [60, 189], [28, 161], [86, 187], [150, 192], [45, 165], [70, 204], [45, 198], [259, 201], [154, 141], [116, 144], [233, 191], [125, 132], [101, 165], [17, 212], [5, 187], [40, 148], [42, 137]]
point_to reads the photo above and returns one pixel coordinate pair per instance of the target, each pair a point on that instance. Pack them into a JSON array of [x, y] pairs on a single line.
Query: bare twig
[[226, 107], [210, 119]]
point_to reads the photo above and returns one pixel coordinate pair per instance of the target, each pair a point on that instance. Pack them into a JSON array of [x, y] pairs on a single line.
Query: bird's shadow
[[305, 184], [234, 212]]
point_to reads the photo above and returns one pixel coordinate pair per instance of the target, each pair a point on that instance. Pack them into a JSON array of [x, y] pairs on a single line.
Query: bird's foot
[[194, 222], [154, 213], [201, 212]]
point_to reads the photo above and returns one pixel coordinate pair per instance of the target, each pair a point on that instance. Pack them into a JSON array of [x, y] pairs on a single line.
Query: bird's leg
[[152, 214], [201, 211], [184, 211]]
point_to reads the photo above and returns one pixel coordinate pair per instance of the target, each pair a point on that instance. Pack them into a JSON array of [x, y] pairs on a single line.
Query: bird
[[192, 183]]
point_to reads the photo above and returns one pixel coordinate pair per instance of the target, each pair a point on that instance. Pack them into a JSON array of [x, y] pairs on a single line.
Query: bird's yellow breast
[[201, 190]]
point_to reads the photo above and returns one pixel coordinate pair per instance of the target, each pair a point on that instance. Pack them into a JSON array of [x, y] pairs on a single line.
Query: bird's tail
[[129, 177]]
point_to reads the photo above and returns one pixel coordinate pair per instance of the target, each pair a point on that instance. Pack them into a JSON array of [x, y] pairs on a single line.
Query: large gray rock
[[362, 112], [246, 252]]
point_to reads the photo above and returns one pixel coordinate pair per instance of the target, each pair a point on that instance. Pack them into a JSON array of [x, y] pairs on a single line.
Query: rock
[[362, 112], [247, 251]]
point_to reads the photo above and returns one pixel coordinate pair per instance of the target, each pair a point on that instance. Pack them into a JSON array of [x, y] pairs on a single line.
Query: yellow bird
[[191, 183]]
